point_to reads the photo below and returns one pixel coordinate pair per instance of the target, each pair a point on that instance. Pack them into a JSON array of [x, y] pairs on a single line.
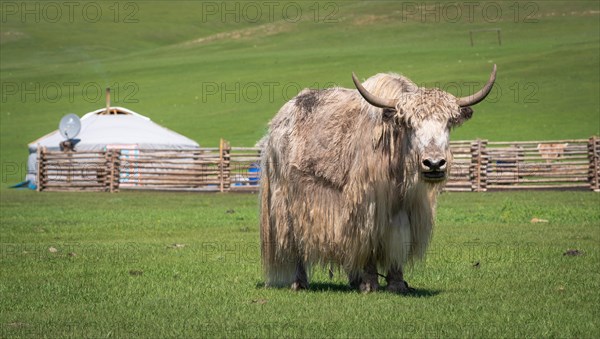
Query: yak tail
[[278, 270]]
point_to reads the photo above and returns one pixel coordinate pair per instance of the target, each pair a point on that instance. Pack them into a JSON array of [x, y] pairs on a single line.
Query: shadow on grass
[[344, 288]]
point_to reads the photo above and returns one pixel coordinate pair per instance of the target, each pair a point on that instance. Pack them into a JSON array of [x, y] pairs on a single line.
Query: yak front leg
[[366, 280], [370, 280], [395, 281], [301, 279], [355, 279]]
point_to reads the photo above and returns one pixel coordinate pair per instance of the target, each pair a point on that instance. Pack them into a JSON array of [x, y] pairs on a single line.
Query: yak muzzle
[[434, 169]]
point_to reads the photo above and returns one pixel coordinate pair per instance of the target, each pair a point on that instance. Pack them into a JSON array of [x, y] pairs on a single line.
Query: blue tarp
[[25, 184]]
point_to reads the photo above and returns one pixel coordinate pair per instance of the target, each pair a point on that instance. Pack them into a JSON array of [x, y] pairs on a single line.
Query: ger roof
[[119, 127]]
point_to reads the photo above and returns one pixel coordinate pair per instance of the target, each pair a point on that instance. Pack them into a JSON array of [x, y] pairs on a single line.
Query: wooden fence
[[75, 171], [478, 166]]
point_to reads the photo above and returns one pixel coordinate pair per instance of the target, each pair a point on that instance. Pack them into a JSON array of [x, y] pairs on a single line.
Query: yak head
[[425, 116]]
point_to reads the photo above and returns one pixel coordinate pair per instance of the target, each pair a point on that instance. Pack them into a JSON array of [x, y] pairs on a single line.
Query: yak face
[[427, 115], [430, 143]]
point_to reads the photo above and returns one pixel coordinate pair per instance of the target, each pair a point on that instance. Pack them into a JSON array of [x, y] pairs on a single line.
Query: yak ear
[[465, 114]]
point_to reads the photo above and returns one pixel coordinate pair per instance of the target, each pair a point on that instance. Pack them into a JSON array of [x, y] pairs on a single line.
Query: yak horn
[[479, 96], [370, 98]]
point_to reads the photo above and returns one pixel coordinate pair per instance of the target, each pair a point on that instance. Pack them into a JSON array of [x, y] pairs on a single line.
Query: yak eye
[[388, 113]]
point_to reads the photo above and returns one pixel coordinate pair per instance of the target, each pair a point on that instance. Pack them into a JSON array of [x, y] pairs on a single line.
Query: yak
[[350, 177]]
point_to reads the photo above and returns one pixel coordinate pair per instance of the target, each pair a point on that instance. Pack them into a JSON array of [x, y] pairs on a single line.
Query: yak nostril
[[442, 163], [427, 163]]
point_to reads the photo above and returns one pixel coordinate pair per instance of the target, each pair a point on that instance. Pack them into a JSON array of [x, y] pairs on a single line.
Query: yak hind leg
[[396, 283], [366, 281], [301, 279]]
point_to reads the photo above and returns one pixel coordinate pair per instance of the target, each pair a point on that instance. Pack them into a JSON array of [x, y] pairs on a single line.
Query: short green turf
[[137, 264]]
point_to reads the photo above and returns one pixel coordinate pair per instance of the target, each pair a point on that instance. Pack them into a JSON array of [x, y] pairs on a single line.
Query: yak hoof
[[400, 287], [369, 286], [299, 286]]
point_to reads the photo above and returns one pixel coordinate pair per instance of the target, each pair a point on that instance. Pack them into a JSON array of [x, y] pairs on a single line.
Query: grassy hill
[[211, 70]]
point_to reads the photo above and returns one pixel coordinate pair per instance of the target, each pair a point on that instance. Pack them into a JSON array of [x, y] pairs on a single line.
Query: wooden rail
[[477, 166], [77, 171]]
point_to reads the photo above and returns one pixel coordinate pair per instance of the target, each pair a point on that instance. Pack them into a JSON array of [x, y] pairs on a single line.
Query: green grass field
[[117, 273], [137, 264]]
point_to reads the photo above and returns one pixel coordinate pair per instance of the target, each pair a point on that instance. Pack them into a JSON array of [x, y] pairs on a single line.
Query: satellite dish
[[69, 126]]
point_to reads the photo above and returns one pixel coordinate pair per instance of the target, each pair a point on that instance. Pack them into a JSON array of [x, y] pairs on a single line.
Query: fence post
[[227, 165], [478, 170], [224, 163], [112, 173], [221, 165], [483, 151], [116, 164], [106, 171], [40, 166], [594, 169]]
